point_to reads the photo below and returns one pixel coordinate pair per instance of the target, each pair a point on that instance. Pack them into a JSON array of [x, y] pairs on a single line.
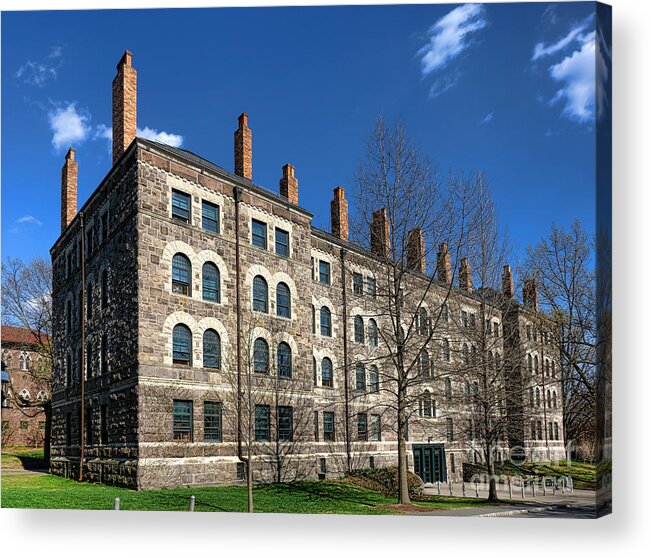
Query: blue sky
[[507, 89]]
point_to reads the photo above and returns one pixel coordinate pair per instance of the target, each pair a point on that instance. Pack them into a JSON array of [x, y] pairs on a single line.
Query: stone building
[[171, 256], [25, 387]]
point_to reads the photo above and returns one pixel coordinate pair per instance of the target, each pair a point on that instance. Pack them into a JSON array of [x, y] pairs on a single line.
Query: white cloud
[[450, 36], [576, 76], [488, 118], [541, 49], [175, 140], [68, 125], [442, 84], [39, 72], [29, 219]]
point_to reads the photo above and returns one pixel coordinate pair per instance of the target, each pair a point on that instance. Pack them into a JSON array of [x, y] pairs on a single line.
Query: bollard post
[[463, 488], [563, 485], [510, 490], [522, 486], [438, 487], [450, 486], [476, 489], [554, 487], [116, 504], [544, 485], [533, 488], [191, 503]]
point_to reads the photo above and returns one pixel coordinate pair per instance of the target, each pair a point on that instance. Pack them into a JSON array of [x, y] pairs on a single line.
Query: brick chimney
[[507, 282], [69, 173], [244, 148], [380, 233], [289, 184], [530, 294], [124, 106], [465, 275], [339, 214], [416, 250], [443, 266]]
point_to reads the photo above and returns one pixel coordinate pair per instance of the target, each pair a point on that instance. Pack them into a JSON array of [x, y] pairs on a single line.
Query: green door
[[429, 462]]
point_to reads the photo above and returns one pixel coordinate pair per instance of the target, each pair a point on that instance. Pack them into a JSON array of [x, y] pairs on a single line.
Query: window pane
[[324, 273], [181, 344], [328, 426], [210, 282], [260, 356], [260, 294], [284, 361], [181, 274], [360, 377], [181, 206], [259, 234], [182, 420], [371, 287], [359, 329], [326, 372], [211, 349], [262, 426], [374, 379], [326, 324], [282, 242], [209, 216], [376, 431], [285, 423], [212, 421], [283, 301], [362, 426], [358, 284]]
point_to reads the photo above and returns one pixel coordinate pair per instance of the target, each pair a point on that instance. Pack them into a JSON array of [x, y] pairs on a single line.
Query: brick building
[[172, 256], [25, 387]]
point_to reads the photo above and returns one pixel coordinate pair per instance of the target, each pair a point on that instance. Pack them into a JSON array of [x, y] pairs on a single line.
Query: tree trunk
[[490, 467], [47, 408], [403, 482]]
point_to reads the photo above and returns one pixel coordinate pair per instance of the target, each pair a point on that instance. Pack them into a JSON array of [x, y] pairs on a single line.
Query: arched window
[[326, 322], [547, 367], [535, 365], [68, 317], [553, 369], [556, 432], [261, 356], [104, 285], [425, 368], [103, 359], [24, 395], [554, 401], [549, 398], [212, 349], [531, 399], [537, 397], [210, 282], [446, 350], [21, 362], [423, 322], [182, 345], [425, 405], [372, 333], [260, 294], [359, 329], [360, 377], [530, 364], [41, 396], [374, 379], [466, 354], [283, 301], [284, 360], [326, 373], [181, 274], [448, 389], [28, 363]]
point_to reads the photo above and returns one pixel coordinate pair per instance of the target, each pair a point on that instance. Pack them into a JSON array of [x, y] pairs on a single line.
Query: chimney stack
[[416, 250], [380, 233], [530, 294], [443, 266], [69, 175], [243, 148], [507, 282], [289, 184], [465, 275], [339, 214], [124, 106]]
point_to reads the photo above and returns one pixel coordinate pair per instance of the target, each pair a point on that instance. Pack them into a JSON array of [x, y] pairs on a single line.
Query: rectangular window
[[316, 426], [259, 234], [496, 329], [212, 421], [371, 287], [262, 424], [41, 425], [240, 471], [89, 241], [285, 423], [180, 206], [464, 318], [376, 428], [328, 426], [209, 216], [324, 273], [182, 420], [453, 465], [358, 284], [282, 242], [362, 427], [105, 225], [449, 430], [103, 425], [473, 321]]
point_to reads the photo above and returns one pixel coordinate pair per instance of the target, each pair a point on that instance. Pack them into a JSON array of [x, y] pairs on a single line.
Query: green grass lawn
[[21, 457], [583, 474]]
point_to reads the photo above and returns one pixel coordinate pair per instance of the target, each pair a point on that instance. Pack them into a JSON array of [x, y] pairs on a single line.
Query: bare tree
[[562, 265], [27, 303]]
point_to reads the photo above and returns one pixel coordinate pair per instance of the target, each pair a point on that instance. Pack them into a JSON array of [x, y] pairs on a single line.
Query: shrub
[[385, 481]]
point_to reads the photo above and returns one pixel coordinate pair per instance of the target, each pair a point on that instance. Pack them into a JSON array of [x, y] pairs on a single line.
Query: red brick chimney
[[465, 275], [530, 294], [69, 173], [443, 266], [380, 233], [507, 282], [243, 148], [124, 106], [289, 184], [416, 250], [339, 214]]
